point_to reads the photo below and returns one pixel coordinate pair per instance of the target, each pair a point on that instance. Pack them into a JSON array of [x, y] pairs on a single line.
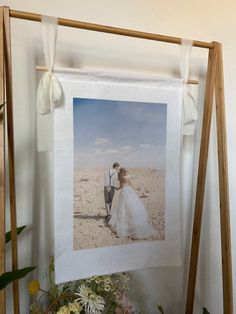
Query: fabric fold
[[49, 92], [190, 114]]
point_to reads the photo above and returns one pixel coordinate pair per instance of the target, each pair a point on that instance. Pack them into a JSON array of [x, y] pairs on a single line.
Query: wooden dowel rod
[[193, 82], [2, 166], [223, 187], [201, 179], [108, 29], [10, 138], [44, 69]]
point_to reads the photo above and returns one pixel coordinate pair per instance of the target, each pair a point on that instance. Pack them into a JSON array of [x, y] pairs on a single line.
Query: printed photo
[[116, 174], [119, 172]]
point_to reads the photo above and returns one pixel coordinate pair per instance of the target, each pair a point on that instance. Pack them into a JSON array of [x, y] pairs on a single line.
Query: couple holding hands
[[129, 218]]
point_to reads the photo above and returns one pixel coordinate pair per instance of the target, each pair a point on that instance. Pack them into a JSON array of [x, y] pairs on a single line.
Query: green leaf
[[111, 308], [160, 308], [205, 311], [11, 276], [18, 230]]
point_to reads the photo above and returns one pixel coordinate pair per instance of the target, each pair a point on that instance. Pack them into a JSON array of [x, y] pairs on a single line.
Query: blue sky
[[131, 133]]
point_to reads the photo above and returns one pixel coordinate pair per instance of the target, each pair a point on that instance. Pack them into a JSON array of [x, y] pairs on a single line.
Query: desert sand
[[90, 227]]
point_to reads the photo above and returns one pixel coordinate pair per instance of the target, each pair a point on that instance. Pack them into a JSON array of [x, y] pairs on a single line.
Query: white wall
[[203, 20]]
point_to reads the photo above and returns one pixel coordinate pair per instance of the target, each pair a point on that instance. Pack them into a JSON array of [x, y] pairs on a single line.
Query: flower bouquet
[[98, 294]]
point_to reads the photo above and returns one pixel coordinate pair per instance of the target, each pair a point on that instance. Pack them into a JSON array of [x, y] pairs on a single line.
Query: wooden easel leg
[[223, 186], [2, 166], [10, 138], [202, 166]]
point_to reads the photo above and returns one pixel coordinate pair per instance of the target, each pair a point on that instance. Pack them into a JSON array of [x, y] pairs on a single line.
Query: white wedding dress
[[130, 217]]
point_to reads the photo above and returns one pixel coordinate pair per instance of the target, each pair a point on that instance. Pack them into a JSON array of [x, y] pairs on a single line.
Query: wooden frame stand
[[214, 86], [214, 83], [2, 165]]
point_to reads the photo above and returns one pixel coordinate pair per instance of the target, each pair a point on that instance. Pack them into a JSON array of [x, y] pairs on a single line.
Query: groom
[[110, 182]]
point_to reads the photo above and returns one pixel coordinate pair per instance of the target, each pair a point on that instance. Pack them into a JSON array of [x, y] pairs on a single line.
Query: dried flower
[[63, 310], [35, 309], [107, 288], [124, 301], [124, 278], [97, 280], [33, 287], [93, 303], [95, 295], [73, 307], [107, 279]]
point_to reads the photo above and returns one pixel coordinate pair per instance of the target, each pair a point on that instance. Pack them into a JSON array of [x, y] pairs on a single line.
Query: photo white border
[[72, 265]]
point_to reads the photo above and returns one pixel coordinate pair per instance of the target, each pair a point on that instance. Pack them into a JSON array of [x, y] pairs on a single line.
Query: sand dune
[[90, 228]]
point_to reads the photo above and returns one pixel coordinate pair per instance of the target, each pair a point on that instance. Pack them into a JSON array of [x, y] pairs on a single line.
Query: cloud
[[116, 150], [98, 152], [146, 146], [102, 141], [126, 147], [112, 151], [136, 157], [154, 113]]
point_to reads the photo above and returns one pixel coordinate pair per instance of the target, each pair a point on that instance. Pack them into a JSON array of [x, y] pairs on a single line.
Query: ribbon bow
[[49, 93]]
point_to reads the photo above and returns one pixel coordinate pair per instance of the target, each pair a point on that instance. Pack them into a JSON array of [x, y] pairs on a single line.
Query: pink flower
[[125, 303]]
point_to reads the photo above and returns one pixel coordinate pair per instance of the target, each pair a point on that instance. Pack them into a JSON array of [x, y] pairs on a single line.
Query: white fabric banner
[[136, 122]]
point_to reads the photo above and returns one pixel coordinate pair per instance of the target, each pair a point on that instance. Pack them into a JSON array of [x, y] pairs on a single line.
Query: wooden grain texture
[[10, 140], [108, 29], [223, 186], [2, 167], [201, 179]]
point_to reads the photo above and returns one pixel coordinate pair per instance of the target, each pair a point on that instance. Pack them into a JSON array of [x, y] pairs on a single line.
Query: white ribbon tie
[[49, 93], [190, 114]]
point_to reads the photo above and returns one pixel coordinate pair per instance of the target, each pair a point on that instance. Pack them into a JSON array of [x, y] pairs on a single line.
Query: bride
[[130, 217]]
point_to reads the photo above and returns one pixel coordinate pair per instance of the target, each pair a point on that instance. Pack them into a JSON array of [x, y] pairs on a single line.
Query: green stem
[[44, 291]]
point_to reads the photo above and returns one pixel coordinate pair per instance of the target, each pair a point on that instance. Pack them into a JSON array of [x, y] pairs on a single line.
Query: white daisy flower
[[92, 303]]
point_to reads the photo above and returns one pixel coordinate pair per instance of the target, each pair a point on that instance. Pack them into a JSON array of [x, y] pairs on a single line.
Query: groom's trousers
[[109, 193]]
